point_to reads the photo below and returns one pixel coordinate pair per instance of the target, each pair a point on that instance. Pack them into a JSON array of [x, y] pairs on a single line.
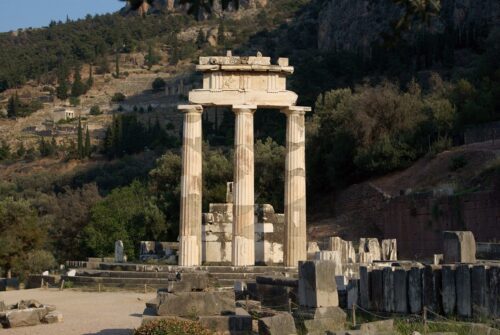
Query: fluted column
[[295, 187], [191, 187], [243, 253]]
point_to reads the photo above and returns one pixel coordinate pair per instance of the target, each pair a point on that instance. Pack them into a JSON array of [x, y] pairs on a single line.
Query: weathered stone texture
[[377, 290], [389, 250], [195, 303], [415, 289], [365, 273], [388, 279], [479, 293], [400, 290], [463, 285], [449, 294], [227, 324], [278, 324], [432, 282], [317, 286]]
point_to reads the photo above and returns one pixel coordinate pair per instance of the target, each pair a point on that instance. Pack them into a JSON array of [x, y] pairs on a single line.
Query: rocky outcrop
[[175, 5], [355, 25]]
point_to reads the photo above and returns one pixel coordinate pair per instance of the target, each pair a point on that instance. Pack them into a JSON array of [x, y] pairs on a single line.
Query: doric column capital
[[291, 110], [190, 108], [244, 108]]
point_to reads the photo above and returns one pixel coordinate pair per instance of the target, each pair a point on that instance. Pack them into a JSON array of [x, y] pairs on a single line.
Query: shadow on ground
[[112, 332]]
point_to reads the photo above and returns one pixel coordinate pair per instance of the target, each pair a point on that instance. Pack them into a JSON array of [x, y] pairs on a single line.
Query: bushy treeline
[[37, 53], [131, 199], [127, 135]]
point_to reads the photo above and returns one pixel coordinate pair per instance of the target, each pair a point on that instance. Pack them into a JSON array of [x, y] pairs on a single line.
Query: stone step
[[124, 281], [210, 269], [126, 274]]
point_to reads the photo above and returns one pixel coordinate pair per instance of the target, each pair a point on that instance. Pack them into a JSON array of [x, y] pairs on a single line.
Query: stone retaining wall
[[454, 290]]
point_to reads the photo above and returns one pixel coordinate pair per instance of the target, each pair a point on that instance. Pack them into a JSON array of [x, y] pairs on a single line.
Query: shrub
[[158, 84], [118, 97], [35, 262], [74, 101], [95, 110], [171, 327]]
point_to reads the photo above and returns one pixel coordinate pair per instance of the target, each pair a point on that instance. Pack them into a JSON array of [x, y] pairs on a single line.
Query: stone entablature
[[233, 80]]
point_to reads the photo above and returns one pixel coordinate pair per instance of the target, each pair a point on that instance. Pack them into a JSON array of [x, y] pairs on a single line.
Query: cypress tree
[[13, 106], [87, 143], [80, 153], [117, 65], [90, 80], [221, 34], [78, 88]]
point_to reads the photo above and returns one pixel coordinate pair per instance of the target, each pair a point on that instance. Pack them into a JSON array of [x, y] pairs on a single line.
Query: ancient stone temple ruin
[[243, 84]]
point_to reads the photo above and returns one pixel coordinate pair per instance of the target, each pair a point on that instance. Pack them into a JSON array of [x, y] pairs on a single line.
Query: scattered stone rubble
[[28, 313]]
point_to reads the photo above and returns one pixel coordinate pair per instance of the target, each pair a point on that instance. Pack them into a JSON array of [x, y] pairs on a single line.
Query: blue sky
[[16, 14]]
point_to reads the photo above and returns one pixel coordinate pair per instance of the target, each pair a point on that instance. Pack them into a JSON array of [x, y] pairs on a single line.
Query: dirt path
[[116, 313]]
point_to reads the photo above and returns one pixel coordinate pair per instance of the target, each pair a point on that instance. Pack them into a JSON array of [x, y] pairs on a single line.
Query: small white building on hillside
[[63, 114]]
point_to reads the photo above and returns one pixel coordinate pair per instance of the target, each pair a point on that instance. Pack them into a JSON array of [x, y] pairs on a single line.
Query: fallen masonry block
[[53, 317], [459, 247], [322, 319], [227, 324], [278, 324], [25, 317], [195, 303], [377, 327]]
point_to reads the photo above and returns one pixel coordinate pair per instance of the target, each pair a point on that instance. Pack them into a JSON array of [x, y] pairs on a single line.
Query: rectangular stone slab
[[364, 287], [432, 288], [415, 290], [317, 286], [400, 290], [479, 283], [463, 282], [449, 294], [190, 304], [278, 324]]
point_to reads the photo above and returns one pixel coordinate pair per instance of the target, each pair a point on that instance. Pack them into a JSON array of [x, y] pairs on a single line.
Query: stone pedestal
[[295, 187], [243, 253], [317, 286], [191, 187]]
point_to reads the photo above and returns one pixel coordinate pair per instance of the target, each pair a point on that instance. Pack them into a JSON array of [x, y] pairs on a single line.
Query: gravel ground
[[107, 313]]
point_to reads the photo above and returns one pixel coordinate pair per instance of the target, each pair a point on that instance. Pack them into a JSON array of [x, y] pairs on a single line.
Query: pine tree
[[53, 146], [200, 39], [21, 151], [78, 88], [90, 80], [13, 106], [117, 65], [221, 34], [88, 149], [62, 89], [80, 152]]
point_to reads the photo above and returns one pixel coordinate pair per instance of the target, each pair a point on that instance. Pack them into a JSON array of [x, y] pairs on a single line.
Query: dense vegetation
[[372, 116]]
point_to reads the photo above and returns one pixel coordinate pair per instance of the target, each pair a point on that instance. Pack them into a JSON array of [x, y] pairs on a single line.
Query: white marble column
[[243, 244], [295, 187], [191, 187]]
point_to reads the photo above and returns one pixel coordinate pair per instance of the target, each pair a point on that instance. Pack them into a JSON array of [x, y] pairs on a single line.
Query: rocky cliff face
[[175, 5], [355, 25]]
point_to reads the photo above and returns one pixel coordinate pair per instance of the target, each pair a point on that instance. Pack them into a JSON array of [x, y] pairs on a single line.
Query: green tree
[[117, 65], [128, 214], [152, 58], [78, 88], [90, 79], [80, 148], [158, 84], [4, 151], [21, 151], [13, 106], [221, 34], [88, 148], [21, 232], [95, 110], [200, 39]]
